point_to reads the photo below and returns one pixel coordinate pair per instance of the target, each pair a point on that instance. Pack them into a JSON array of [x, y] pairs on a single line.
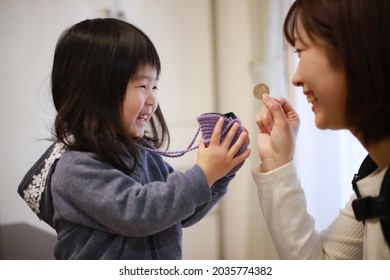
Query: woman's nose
[[296, 80]]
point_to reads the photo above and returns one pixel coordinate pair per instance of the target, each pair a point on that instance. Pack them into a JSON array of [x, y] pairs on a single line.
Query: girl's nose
[[152, 99]]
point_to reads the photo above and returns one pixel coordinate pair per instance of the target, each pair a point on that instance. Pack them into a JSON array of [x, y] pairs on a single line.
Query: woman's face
[[140, 100], [323, 84]]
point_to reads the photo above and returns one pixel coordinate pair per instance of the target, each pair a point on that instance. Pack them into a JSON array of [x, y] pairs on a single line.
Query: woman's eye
[[298, 52]]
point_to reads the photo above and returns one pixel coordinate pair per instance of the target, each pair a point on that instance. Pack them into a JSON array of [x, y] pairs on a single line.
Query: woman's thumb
[[274, 108]]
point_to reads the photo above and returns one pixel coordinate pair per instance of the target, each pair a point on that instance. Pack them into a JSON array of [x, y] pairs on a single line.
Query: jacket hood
[[35, 188]]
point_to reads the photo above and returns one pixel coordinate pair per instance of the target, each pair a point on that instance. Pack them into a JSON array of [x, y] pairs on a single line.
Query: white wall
[[234, 82], [28, 34]]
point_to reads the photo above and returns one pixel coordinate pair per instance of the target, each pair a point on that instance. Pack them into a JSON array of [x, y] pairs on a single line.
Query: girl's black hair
[[93, 63]]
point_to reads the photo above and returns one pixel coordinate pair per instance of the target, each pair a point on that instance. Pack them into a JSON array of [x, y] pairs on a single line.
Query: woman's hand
[[278, 125], [218, 158]]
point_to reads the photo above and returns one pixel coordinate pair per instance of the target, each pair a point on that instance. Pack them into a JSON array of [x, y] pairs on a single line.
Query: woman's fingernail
[[266, 98]]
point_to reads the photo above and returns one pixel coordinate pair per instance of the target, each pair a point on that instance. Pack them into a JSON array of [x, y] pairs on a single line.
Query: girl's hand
[[278, 125], [217, 159]]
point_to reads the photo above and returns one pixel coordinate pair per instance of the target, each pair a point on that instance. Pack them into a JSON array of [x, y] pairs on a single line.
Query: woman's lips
[[311, 98]]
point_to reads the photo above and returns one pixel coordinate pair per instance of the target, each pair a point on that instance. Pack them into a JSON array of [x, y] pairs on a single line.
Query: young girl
[[344, 71], [107, 196]]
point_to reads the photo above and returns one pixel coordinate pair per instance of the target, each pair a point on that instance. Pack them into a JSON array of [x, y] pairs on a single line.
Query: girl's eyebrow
[[145, 77]]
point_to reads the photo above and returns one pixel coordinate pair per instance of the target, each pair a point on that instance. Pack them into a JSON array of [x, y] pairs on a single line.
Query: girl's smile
[[140, 100]]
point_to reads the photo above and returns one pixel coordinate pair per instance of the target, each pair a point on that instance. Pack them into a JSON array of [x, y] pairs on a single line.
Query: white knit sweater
[[291, 227]]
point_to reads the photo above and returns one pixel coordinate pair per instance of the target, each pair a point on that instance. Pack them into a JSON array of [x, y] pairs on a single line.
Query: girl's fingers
[[226, 143], [216, 135], [242, 139], [230, 135], [201, 144]]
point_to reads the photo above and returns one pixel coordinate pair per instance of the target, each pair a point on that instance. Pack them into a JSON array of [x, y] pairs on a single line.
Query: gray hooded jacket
[[100, 212]]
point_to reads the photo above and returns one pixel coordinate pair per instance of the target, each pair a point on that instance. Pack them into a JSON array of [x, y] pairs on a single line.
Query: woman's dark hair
[[355, 34], [93, 63]]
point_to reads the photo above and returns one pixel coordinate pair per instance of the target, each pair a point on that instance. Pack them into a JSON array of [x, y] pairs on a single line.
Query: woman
[[344, 71]]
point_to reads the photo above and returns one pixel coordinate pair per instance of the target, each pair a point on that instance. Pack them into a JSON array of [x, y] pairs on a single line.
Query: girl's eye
[[146, 86]]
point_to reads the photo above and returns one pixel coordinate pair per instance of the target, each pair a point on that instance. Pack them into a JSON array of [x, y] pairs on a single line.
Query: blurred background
[[213, 52]]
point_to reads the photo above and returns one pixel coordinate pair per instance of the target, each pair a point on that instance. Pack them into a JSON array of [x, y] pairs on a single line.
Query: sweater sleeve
[[218, 190], [291, 227], [99, 196]]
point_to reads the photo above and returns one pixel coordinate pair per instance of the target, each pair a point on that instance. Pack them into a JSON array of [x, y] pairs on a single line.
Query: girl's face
[[140, 100], [324, 86]]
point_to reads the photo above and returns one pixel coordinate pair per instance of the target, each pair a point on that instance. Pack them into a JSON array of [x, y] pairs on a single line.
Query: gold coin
[[259, 90]]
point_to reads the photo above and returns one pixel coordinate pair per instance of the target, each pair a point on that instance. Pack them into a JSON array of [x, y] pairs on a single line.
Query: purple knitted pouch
[[207, 123]]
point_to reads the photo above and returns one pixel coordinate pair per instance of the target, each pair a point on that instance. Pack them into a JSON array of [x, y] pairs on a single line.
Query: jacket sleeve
[[218, 190], [291, 227], [89, 192]]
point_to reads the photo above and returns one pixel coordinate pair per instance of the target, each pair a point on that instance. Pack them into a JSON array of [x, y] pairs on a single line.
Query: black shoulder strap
[[373, 207], [366, 168], [385, 218]]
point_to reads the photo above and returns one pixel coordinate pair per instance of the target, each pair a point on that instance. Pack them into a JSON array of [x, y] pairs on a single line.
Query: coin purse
[[207, 122]]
